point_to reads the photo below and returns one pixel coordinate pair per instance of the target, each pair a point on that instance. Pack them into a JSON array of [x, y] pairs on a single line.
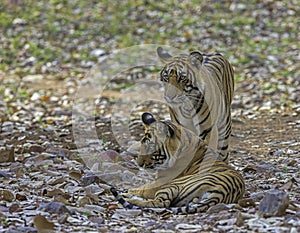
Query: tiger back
[[199, 90], [185, 182]]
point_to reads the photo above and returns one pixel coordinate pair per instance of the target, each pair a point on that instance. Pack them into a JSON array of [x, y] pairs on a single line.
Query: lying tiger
[[190, 176]]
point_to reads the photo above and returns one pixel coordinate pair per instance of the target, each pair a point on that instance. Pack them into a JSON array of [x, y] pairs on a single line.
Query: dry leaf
[[112, 207], [7, 155], [21, 196], [44, 98], [246, 202], [14, 208], [61, 199], [55, 181], [287, 186], [76, 175], [6, 195], [42, 224]]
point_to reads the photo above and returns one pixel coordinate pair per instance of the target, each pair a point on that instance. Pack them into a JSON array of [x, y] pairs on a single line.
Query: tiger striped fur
[[190, 177], [199, 90]]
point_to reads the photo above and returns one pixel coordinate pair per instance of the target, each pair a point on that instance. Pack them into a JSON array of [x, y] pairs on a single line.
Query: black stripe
[[205, 119], [200, 104], [205, 132]]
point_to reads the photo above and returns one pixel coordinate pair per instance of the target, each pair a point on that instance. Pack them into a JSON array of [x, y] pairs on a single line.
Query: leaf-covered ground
[[49, 47]]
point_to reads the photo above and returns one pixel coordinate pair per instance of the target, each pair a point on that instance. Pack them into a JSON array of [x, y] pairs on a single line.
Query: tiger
[[199, 90], [190, 176]]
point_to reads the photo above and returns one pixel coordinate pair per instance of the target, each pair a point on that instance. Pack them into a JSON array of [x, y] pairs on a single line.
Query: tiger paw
[[134, 192]]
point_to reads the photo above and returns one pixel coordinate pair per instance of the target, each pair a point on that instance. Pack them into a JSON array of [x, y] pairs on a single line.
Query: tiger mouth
[[158, 158]]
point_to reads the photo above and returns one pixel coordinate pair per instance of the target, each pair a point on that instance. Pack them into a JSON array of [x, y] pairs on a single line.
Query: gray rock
[[54, 207], [36, 148], [274, 203]]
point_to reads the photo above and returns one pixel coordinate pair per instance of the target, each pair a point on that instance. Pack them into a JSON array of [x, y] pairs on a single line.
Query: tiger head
[[179, 76], [159, 142]]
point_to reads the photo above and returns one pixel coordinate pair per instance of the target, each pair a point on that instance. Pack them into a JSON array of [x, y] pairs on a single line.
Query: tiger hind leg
[[192, 208]]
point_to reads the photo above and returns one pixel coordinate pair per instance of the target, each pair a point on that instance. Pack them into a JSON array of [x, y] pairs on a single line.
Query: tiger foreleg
[[146, 191], [150, 203], [162, 199]]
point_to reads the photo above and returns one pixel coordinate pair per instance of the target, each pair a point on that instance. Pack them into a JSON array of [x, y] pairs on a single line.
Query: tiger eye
[[182, 76], [165, 76]]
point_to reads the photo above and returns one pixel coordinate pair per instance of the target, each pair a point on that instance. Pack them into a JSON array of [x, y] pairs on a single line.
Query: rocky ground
[[49, 49]]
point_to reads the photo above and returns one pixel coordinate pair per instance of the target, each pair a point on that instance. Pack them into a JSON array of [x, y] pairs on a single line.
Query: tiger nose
[[170, 92], [173, 72]]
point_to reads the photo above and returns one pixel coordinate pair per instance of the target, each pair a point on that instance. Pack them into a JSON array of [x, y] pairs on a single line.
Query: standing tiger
[[190, 177], [199, 90]]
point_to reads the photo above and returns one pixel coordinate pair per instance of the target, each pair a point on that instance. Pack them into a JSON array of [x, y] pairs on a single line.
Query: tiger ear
[[147, 118], [196, 58], [163, 54]]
